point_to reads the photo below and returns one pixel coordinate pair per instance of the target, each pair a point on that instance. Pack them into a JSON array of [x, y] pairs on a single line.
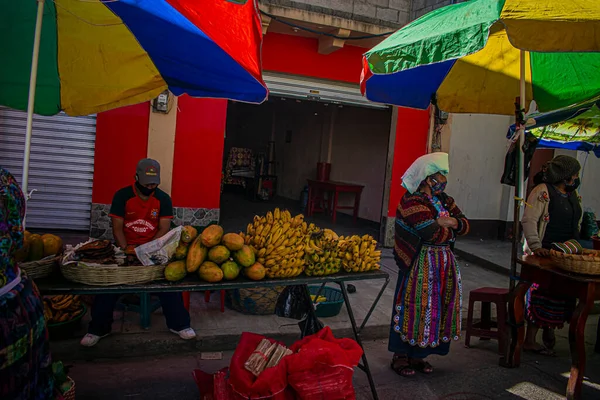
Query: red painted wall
[[299, 55], [121, 141], [199, 139], [411, 143]]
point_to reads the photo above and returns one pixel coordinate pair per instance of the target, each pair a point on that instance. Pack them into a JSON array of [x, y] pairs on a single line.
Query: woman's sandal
[[406, 369], [549, 338], [543, 351], [421, 366]]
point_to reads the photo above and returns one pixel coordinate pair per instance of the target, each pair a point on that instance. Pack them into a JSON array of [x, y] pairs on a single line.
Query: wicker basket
[[42, 268], [110, 275], [587, 263], [69, 394]]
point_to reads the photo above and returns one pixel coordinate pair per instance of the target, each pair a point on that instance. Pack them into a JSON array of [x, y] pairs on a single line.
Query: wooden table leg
[[334, 208], [516, 328], [356, 205], [310, 205], [577, 342]]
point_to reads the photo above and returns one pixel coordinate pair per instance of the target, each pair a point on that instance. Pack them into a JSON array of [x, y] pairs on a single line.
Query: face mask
[[573, 186], [438, 187], [144, 190]]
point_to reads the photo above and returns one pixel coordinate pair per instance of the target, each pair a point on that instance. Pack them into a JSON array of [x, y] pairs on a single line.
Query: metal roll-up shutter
[[299, 87], [61, 166]]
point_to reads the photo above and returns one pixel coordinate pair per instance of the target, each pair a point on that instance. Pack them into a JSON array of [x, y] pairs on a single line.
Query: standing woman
[[427, 303], [25, 363], [553, 215]]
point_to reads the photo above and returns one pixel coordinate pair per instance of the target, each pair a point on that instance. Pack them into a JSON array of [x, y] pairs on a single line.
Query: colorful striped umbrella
[[468, 55], [97, 55]]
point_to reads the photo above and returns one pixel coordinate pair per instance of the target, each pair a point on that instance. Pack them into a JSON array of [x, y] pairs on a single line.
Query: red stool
[[483, 329], [207, 299]]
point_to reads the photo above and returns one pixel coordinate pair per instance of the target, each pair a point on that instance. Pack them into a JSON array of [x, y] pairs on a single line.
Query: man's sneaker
[[90, 339], [185, 334]]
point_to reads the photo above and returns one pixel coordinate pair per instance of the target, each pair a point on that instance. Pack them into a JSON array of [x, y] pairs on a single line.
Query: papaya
[[218, 254], [53, 245], [36, 248], [188, 234], [175, 271], [233, 241], [212, 235], [210, 272], [181, 251], [256, 272], [244, 257], [230, 270], [196, 255]]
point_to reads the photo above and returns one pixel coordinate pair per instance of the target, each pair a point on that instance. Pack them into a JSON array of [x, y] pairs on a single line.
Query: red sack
[[213, 387], [271, 384], [322, 367]]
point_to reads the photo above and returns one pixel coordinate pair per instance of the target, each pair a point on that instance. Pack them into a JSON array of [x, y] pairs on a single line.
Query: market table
[[316, 187], [586, 288], [57, 284]]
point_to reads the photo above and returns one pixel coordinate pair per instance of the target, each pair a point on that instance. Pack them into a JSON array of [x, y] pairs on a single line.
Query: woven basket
[[42, 268], [69, 394], [110, 275], [587, 263]]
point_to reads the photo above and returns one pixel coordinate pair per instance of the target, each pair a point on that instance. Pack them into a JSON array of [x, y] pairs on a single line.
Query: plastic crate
[[334, 303]]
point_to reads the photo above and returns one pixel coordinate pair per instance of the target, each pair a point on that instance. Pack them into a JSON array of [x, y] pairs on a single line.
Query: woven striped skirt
[[25, 363], [546, 310], [427, 309]]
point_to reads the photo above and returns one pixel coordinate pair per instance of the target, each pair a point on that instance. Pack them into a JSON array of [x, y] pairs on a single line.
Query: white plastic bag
[[161, 250]]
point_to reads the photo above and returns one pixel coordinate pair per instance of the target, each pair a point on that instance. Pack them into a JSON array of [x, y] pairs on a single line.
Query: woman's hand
[[448, 222], [542, 252]]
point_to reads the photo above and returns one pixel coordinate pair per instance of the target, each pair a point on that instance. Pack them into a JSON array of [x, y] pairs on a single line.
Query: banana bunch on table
[[277, 240], [322, 254], [61, 308], [359, 254]]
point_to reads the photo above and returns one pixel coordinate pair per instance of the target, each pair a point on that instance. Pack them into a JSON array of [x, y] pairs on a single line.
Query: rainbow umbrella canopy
[[468, 55], [97, 55]]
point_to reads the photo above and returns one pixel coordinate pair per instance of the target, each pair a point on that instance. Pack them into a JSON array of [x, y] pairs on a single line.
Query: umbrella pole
[[31, 99], [520, 181]]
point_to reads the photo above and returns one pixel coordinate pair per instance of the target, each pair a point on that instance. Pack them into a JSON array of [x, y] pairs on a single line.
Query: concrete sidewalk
[[220, 331]]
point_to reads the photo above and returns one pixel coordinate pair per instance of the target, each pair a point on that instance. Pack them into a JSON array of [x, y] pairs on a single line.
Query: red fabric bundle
[[322, 367]]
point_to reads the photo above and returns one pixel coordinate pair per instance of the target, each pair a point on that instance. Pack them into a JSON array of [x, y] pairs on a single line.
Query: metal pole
[[31, 99], [520, 181]]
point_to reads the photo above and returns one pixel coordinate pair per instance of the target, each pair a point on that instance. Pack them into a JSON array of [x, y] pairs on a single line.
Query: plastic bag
[[292, 303], [161, 250], [322, 367], [272, 382], [589, 225]]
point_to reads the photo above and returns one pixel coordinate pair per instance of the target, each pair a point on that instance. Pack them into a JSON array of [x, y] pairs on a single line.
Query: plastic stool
[[207, 299], [483, 329], [145, 308]]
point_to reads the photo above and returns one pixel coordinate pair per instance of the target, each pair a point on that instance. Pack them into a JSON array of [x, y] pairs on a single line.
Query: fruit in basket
[[181, 251], [245, 256], [36, 248], [233, 241], [53, 245], [197, 253], [256, 272], [188, 234], [175, 271], [359, 254], [210, 272], [218, 254], [230, 270], [212, 235], [61, 308]]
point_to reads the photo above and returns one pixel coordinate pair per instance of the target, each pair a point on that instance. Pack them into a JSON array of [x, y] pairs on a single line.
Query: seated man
[[140, 213]]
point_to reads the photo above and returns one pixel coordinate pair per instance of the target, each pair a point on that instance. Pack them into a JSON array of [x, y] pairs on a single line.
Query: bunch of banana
[[359, 254], [322, 254], [278, 242], [61, 308]]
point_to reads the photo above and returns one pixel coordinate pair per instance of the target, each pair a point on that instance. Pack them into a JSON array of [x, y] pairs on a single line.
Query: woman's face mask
[[438, 186], [573, 185]]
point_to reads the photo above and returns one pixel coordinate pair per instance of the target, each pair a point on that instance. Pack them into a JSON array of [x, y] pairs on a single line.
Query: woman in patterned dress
[[25, 363], [427, 303]]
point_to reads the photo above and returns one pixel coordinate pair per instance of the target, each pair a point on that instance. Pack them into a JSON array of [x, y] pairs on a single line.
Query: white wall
[[590, 181], [477, 150]]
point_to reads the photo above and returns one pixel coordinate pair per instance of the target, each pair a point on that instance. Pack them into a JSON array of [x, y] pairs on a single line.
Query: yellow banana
[[277, 214], [270, 217]]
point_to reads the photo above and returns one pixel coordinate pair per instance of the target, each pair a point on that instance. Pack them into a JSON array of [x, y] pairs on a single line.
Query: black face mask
[[144, 190], [573, 186]]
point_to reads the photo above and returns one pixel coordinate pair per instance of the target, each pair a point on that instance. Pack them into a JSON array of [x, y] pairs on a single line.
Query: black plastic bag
[[292, 303], [510, 161]]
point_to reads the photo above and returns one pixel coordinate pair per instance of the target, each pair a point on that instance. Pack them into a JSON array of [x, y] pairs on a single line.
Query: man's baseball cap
[[148, 172]]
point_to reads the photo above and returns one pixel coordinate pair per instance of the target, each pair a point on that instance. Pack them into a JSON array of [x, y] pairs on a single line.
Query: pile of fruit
[[359, 254], [322, 254], [214, 256], [61, 308], [278, 240], [35, 247]]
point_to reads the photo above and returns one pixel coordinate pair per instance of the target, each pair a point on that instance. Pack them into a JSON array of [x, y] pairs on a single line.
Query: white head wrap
[[423, 167]]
